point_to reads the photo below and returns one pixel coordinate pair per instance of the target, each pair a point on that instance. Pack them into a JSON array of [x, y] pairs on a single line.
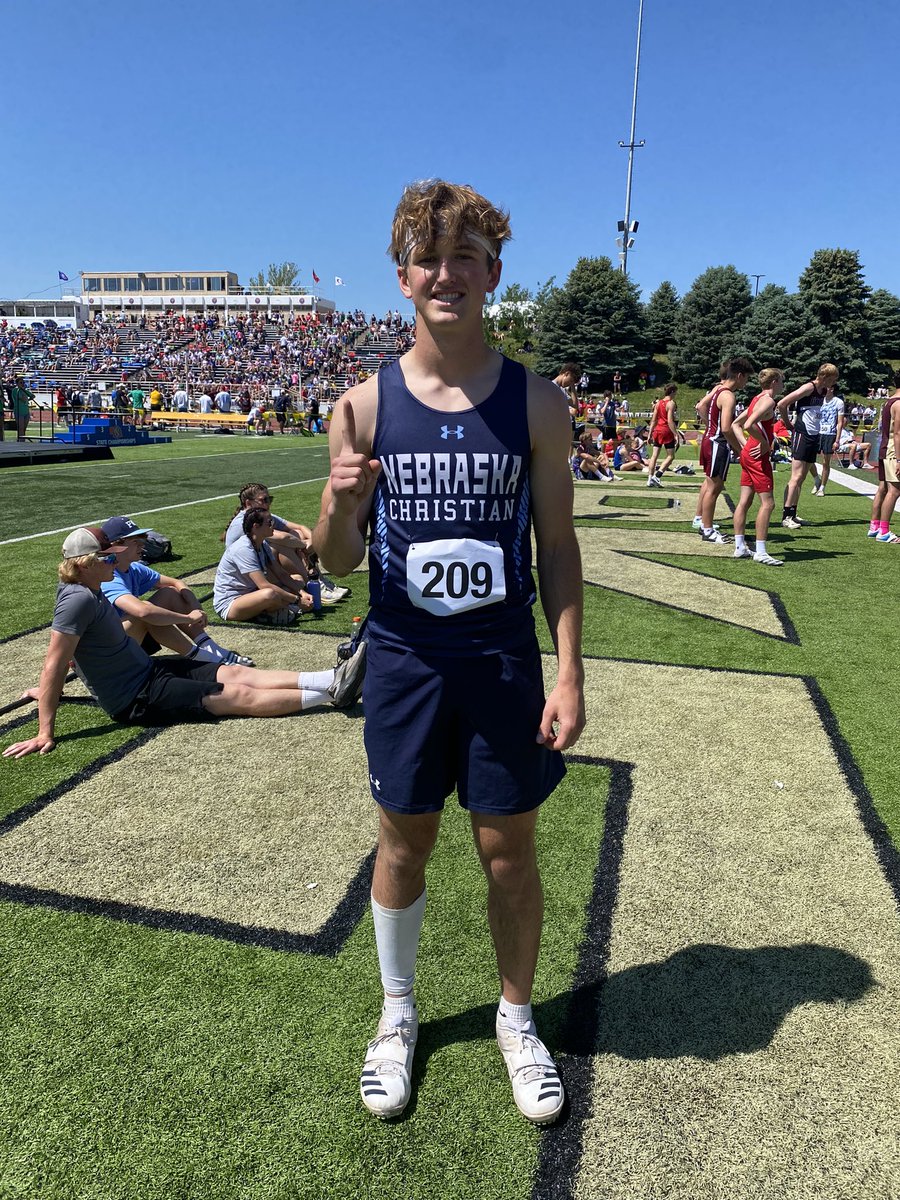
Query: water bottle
[[314, 583], [345, 650]]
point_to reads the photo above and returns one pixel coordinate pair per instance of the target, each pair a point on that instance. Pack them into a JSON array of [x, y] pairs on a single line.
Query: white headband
[[471, 235]]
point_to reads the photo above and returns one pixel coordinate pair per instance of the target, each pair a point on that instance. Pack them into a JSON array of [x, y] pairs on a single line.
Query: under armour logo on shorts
[[447, 432]]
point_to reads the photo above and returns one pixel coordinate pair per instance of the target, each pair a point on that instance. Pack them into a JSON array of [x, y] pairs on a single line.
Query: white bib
[[454, 575]]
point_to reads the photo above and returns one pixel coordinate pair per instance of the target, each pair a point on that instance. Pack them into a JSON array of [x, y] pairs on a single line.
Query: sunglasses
[[107, 558]]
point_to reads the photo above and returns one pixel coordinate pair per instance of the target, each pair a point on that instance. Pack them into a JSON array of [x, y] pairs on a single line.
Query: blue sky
[[166, 136]]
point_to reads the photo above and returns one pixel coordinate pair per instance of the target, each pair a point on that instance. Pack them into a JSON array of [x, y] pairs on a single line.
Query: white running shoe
[[818, 491], [872, 532], [888, 537], [697, 523], [717, 538], [332, 590], [652, 481], [768, 561], [743, 552], [537, 1088], [854, 467], [791, 523], [384, 1083]]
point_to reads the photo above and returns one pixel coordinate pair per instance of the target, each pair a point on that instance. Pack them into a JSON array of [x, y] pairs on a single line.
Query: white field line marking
[[146, 512], [861, 486]]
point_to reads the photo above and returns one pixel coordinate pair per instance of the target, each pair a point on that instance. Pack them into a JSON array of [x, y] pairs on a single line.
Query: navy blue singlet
[[450, 527]]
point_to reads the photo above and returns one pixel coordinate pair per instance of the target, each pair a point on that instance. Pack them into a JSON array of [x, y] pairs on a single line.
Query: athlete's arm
[[785, 402], [53, 677], [154, 614], [670, 417], [558, 561], [726, 419], [339, 537], [762, 410]]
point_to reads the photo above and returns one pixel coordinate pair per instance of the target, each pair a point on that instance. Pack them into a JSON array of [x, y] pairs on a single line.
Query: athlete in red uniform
[[757, 425], [663, 433]]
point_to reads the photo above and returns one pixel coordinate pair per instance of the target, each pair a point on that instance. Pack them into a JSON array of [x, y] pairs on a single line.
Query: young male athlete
[[831, 426], [807, 401], [663, 433], [718, 443], [449, 456], [757, 424]]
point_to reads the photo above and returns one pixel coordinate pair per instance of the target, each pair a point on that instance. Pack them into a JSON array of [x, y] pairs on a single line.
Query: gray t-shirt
[[233, 572], [236, 529], [110, 663]]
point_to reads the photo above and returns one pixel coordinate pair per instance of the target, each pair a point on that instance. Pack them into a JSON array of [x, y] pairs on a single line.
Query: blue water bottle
[[314, 583]]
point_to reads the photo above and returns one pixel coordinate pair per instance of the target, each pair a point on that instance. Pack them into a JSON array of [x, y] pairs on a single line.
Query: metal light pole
[[631, 145], [756, 288]]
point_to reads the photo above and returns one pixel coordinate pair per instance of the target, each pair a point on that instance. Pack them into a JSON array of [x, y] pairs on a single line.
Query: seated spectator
[[628, 457], [137, 690], [290, 541], [250, 583], [853, 451], [172, 616], [591, 462]]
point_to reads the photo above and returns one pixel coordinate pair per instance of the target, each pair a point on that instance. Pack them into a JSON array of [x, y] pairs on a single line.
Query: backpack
[[156, 547]]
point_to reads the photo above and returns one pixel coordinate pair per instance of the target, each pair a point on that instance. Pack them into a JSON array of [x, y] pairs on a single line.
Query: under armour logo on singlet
[[447, 432]]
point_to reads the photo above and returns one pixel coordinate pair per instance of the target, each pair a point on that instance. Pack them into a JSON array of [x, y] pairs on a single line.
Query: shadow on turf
[[705, 1002]]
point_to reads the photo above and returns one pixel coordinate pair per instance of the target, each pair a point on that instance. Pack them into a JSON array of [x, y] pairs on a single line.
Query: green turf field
[[189, 971]]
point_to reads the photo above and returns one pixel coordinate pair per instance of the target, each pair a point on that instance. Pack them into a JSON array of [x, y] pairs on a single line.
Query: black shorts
[[609, 431], [826, 443], [717, 460], [435, 725], [804, 446], [173, 693]]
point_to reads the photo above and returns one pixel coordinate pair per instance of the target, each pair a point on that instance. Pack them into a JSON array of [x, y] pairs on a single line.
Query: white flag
[[338, 282]]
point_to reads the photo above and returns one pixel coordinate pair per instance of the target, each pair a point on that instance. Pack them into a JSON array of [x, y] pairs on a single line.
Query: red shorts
[[756, 473]]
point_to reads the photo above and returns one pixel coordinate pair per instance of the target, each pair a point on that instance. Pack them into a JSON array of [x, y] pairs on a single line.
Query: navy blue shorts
[[436, 724]]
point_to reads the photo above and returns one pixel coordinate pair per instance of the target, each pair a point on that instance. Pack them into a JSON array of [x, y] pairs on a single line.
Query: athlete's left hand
[[563, 719]]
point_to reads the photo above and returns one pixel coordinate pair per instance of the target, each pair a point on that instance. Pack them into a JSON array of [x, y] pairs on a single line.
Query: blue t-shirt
[[136, 581]]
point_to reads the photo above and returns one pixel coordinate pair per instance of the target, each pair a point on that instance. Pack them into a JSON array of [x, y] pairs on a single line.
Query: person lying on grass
[[135, 689]]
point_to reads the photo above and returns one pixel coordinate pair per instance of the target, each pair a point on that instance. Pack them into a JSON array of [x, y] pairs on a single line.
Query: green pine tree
[[780, 331], [596, 320], [709, 324], [835, 291], [883, 317], [660, 314]]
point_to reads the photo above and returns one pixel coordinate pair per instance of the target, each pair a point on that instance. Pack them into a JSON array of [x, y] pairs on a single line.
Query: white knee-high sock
[[397, 938]]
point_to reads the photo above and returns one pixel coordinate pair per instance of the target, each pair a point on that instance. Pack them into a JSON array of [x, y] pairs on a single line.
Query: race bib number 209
[[455, 575]]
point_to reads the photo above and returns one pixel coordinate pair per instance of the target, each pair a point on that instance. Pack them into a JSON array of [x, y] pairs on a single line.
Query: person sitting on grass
[[172, 617], [135, 689], [627, 456], [756, 425], [290, 541], [250, 584], [591, 462]]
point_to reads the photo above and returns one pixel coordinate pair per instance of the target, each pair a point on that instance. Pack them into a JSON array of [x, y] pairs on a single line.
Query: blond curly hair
[[431, 209]]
